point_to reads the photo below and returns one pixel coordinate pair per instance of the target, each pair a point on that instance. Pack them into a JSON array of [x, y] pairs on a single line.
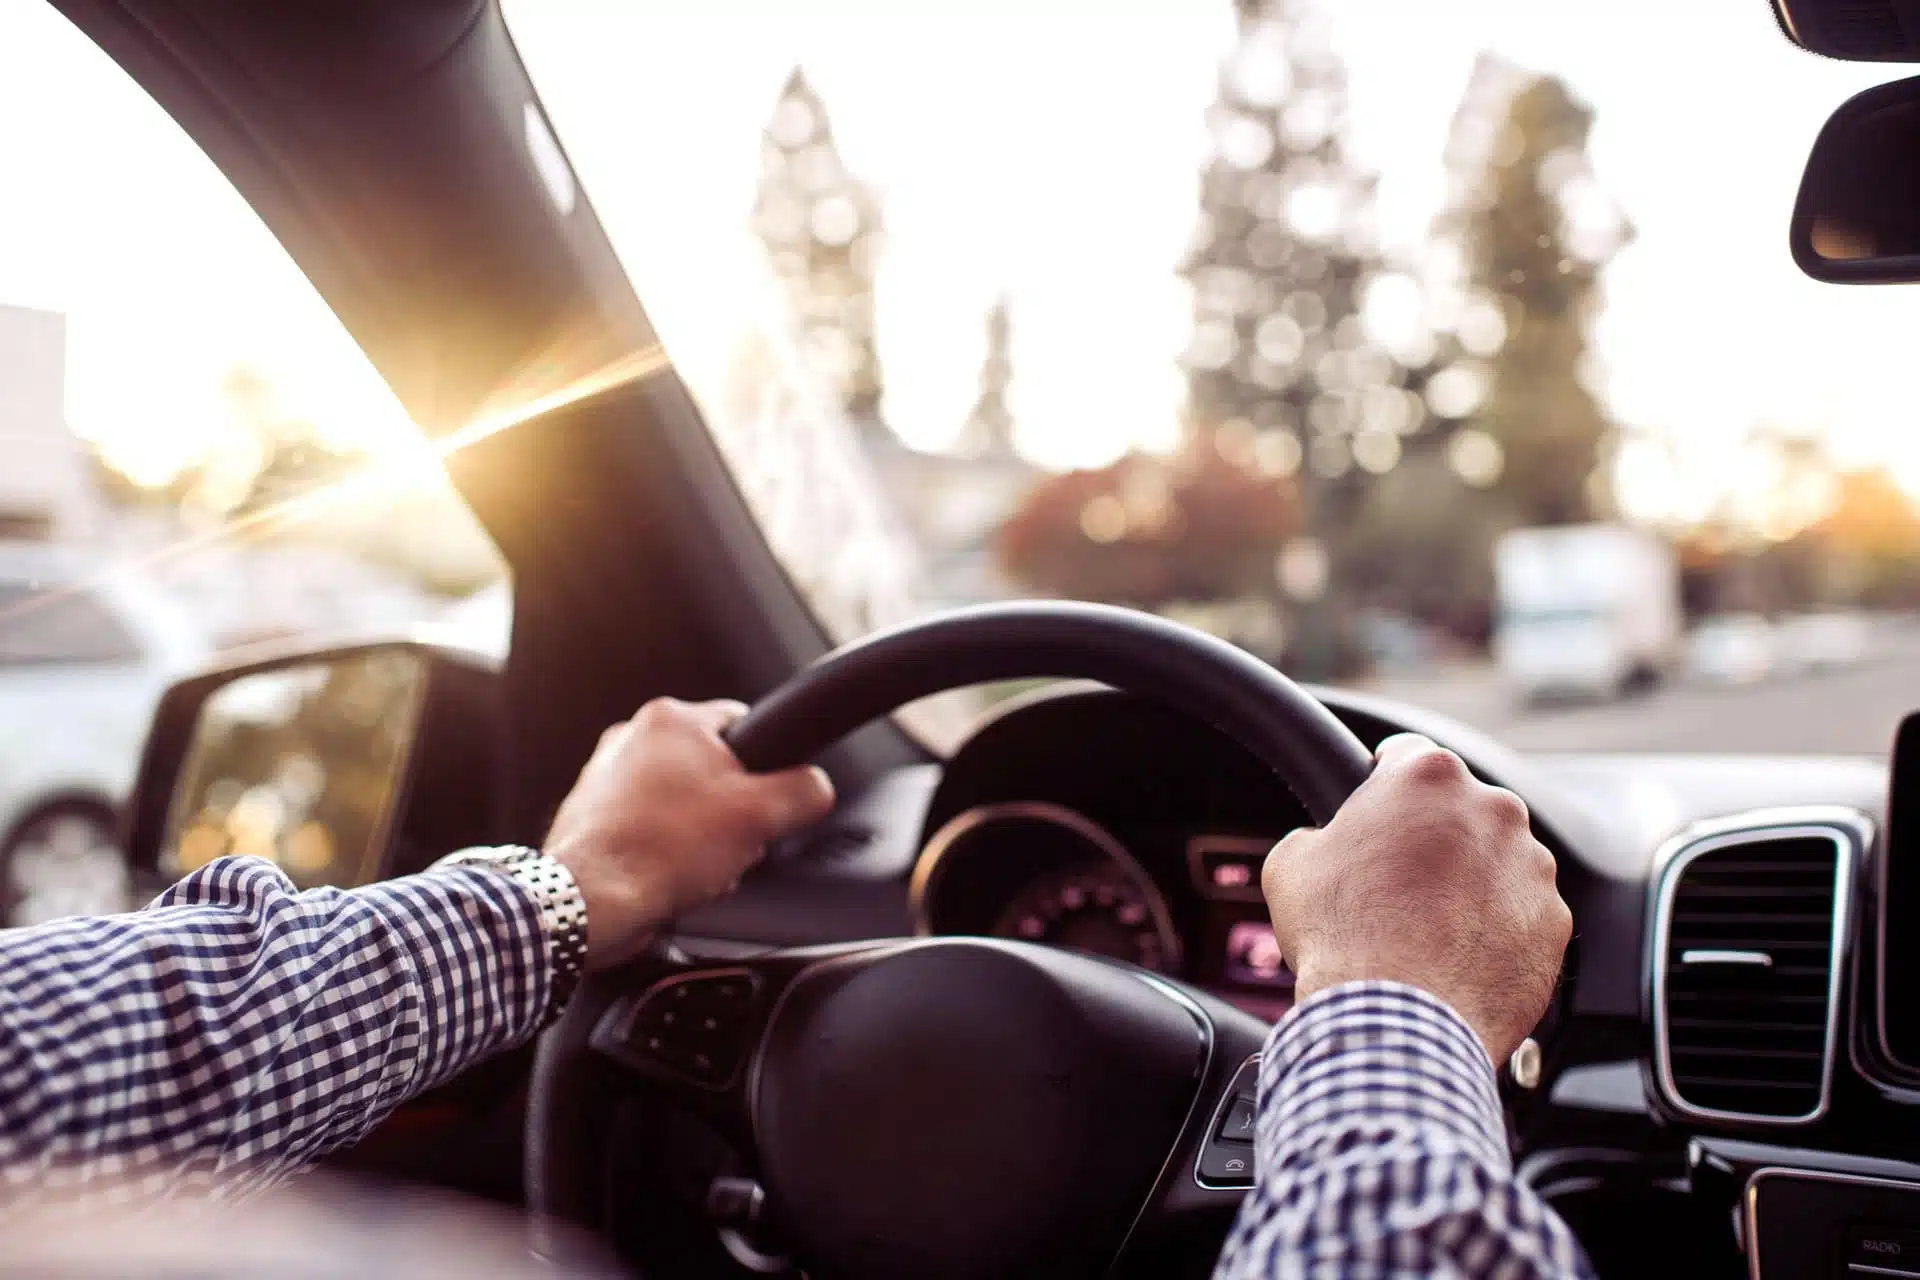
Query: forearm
[[1381, 1150], [237, 1030]]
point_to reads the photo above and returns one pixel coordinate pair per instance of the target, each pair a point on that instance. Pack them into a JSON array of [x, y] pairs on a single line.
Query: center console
[[1807, 1223]]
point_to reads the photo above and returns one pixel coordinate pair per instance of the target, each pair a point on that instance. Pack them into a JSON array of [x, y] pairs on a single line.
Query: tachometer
[[1098, 908], [1042, 872]]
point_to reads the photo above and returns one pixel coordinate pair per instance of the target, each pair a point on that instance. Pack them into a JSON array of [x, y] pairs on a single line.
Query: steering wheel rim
[[1289, 730], [1143, 653]]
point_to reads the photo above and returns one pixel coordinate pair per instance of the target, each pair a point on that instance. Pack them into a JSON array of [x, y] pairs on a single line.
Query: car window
[[73, 625], [1364, 333], [170, 384]]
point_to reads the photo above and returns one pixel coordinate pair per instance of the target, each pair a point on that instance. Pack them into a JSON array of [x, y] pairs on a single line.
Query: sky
[[1045, 150]]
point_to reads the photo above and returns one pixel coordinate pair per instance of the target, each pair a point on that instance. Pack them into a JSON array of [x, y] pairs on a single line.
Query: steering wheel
[[946, 1108]]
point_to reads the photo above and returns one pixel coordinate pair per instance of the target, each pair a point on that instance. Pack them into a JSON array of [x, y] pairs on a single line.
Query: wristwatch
[[563, 913]]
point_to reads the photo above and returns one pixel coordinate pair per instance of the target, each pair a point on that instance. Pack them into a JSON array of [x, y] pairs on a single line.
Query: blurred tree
[[255, 474], [822, 230], [1284, 245], [1871, 542], [1149, 531], [989, 425], [1282, 371], [1534, 231], [1872, 515], [1421, 544], [271, 458], [121, 492], [266, 458]]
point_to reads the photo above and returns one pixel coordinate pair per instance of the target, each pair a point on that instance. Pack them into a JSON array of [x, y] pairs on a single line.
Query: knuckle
[[1508, 810], [1274, 869], [1436, 766], [658, 712], [1543, 860]]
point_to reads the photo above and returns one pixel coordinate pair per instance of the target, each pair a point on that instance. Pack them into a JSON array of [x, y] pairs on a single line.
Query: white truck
[[1587, 610]]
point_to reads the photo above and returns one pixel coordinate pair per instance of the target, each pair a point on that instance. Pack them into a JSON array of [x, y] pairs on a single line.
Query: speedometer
[[1095, 907], [1042, 872]]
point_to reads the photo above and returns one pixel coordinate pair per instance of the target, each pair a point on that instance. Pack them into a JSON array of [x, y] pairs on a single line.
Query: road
[[1853, 711]]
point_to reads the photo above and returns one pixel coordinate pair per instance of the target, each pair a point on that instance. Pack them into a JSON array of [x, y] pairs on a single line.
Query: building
[[46, 489], [953, 506]]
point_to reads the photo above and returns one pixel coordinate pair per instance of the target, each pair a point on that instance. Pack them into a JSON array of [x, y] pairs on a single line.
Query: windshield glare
[[1367, 335]]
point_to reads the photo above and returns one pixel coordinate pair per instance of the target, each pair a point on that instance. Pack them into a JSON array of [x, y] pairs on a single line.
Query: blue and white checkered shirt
[[236, 1030], [1380, 1150]]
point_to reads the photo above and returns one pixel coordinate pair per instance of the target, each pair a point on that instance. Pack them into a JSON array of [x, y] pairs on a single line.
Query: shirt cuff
[[1370, 1062], [479, 953]]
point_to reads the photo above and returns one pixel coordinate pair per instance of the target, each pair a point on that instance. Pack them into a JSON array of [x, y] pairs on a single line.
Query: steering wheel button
[[1237, 1124], [698, 1028], [1227, 1164]]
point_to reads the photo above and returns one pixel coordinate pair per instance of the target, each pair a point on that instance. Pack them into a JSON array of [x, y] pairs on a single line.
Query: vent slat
[[1752, 1039]]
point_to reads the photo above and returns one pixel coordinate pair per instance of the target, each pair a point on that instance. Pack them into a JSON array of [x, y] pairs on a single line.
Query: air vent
[[1749, 931]]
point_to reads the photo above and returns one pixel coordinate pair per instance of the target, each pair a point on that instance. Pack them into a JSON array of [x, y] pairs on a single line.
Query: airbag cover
[[970, 1108]]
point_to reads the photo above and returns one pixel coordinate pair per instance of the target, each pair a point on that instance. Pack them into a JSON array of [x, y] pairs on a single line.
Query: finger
[[791, 799], [718, 715], [1410, 758], [1400, 747]]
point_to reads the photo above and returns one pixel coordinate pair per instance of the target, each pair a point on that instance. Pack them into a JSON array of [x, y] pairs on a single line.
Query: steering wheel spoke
[[693, 1029]]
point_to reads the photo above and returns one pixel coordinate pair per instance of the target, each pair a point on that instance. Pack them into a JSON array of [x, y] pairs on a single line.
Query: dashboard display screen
[[1900, 903], [1253, 957]]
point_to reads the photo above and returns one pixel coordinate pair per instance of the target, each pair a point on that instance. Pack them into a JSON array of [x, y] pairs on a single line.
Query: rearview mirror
[[1851, 30], [1857, 218], [341, 766]]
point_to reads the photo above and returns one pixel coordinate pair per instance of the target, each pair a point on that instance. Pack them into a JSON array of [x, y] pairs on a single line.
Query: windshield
[[1366, 335]]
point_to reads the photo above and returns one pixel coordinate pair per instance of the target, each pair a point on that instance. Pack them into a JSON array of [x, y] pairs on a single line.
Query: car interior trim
[[1850, 833], [1710, 955], [1751, 1210], [1173, 992], [1881, 910], [1252, 1064], [1198, 847]]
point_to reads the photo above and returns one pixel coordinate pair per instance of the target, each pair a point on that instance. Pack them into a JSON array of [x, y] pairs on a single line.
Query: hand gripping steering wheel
[[945, 1108]]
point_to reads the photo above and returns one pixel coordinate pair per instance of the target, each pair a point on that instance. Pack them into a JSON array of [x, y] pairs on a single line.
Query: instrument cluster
[[1183, 904]]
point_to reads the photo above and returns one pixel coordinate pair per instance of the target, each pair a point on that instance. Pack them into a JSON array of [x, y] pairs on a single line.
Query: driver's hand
[[1429, 877], [664, 818]]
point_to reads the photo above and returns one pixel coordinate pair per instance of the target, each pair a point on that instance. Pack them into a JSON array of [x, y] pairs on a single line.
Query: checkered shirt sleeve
[[236, 1030], [1380, 1150]]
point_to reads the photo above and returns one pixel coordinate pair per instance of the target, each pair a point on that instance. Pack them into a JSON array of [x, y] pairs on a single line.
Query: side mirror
[[1857, 218], [343, 765]]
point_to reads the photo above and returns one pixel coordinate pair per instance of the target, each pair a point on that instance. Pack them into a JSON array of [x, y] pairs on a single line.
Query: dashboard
[[1715, 1047]]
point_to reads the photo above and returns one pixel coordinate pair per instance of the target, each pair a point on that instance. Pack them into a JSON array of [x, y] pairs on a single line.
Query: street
[[1852, 711]]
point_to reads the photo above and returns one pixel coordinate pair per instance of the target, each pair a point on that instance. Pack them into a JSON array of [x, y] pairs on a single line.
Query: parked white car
[[1591, 610], [1824, 641], [85, 654], [1733, 648]]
